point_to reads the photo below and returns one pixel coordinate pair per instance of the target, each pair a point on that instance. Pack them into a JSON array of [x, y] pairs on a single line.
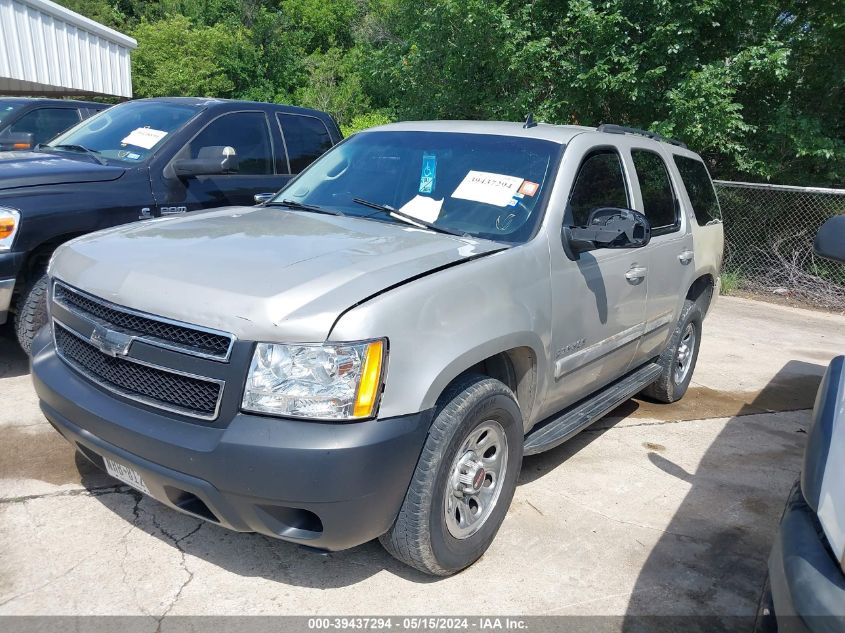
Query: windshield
[[128, 132], [482, 185], [7, 108]]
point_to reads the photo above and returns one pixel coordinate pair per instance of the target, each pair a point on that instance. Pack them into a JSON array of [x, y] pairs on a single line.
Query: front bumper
[[807, 584], [10, 264], [7, 288], [328, 486]]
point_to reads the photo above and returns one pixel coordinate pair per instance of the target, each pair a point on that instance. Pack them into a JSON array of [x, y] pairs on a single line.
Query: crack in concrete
[[75, 492], [136, 517], [183, 563]]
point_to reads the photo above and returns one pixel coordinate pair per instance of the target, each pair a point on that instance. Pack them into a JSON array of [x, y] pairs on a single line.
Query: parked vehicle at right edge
[[805, 588], [137, 161], [371, 353]]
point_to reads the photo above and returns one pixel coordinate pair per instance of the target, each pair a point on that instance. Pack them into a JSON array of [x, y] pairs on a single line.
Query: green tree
[[177, 58], [334, 85]]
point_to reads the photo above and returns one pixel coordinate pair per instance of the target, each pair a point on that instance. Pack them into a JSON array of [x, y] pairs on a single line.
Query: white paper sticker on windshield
[[489, 188], [145, 137], [422, 208]]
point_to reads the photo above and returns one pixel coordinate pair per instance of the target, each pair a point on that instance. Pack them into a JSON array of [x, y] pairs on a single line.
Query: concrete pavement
[[654, 510]]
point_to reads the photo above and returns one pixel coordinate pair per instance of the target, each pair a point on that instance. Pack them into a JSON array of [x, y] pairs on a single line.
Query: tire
[[31, 312], [671, 386], [420, 536]]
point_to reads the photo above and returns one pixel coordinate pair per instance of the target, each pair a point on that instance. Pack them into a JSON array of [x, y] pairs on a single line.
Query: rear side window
[[45, 123], [659, 202], [699, 188], [306, 137], [248, 133], [600, 183]]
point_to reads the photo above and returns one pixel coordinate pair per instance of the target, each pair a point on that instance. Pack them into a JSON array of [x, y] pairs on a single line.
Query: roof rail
[[611, 128]]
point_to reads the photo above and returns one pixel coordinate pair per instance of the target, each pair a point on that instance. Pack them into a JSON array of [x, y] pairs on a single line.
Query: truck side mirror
[[210, 161], [830, 240], [261, 198], [610, 227], [17, 141]]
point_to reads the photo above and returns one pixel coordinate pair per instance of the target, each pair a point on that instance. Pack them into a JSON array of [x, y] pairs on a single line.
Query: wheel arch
[[511, 361], [702, 290], [37, 259]]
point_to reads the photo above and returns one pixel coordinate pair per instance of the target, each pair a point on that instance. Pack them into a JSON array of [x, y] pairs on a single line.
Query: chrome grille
[[164, 333], [158, 387]]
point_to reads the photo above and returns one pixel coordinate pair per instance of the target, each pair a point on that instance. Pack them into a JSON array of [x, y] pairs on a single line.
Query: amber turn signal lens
[[21, 146], [7, 227], [368, 387]]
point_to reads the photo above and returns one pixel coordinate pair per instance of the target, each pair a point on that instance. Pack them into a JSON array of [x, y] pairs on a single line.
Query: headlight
[[321, 381], [10, 221]]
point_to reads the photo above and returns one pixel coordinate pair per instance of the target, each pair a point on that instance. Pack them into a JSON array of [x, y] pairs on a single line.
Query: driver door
[[599, 299], [249, 134]]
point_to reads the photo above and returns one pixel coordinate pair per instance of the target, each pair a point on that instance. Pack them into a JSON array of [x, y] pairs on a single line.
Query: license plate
[[125, 474]]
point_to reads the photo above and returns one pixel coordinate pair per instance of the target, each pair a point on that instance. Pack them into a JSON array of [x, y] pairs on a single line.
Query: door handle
[[636, 274], [686, 257]]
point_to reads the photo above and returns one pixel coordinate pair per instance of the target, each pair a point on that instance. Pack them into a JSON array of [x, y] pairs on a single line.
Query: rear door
[[306, 139], [249, 133], [670, 254], [704, 214]]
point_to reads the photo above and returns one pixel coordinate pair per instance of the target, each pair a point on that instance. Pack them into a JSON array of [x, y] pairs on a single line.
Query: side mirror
[[830, 240], [17, 141], [210, 161], [261, 198], [610, 227]]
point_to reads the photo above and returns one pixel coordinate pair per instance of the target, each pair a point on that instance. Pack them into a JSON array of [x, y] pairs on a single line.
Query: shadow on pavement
[[13, 360], [708, 566]]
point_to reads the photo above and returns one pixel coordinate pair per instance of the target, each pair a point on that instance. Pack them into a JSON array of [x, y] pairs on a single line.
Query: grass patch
[[730, 282]]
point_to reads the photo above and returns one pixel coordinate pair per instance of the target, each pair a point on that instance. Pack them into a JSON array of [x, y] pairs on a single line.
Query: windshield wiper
[[409, 219], [301, 206], [81, 148]]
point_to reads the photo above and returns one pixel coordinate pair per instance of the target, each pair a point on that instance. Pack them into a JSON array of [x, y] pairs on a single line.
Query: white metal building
[[47, 50]]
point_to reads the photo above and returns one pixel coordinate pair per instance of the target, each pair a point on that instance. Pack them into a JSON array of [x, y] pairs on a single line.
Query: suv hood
[[28, 169], [260, 273]]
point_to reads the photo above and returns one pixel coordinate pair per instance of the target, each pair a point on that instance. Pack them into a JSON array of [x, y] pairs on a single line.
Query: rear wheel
[[679, 358], [31, 311], [464, 481]]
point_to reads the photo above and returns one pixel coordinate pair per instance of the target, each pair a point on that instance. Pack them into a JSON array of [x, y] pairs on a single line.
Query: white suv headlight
[[10, 221], [319, 381]]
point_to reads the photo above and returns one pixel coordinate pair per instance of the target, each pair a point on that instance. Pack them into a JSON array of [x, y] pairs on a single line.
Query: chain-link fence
[[769, 232]]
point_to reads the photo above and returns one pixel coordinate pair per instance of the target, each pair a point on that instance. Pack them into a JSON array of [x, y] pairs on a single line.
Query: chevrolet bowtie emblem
[[111, 342]]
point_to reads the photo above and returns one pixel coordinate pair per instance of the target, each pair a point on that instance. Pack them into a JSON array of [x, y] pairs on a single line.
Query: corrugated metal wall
[[47, 49]]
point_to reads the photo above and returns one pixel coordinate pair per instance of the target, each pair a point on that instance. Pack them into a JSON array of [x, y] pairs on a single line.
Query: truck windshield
[[7, 109], [128, 132], [487, 186]]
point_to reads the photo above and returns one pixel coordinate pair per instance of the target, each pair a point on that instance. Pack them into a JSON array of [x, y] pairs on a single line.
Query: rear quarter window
[[699, 187]]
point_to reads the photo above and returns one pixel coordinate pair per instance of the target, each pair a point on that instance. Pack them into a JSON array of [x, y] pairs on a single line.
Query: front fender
[[440, 325]]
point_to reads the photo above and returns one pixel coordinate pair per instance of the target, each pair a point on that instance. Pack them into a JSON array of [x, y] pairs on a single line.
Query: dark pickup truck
[[25, 122], [139, 160]]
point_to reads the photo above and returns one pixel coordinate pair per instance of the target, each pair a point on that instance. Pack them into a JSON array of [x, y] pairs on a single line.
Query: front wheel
[[31, 311], [464, 481]]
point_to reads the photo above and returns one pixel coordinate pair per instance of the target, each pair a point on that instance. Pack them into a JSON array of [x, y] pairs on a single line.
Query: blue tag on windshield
[[428, 175]]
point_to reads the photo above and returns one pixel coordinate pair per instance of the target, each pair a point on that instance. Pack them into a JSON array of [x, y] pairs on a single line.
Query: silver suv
[[371, 352]]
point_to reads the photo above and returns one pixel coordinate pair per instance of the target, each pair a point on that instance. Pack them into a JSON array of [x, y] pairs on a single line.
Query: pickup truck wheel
[[464, 481], [679, 358], [31, 312]]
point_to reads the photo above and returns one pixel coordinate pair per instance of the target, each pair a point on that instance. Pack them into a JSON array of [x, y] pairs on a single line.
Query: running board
[[556, 430]]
